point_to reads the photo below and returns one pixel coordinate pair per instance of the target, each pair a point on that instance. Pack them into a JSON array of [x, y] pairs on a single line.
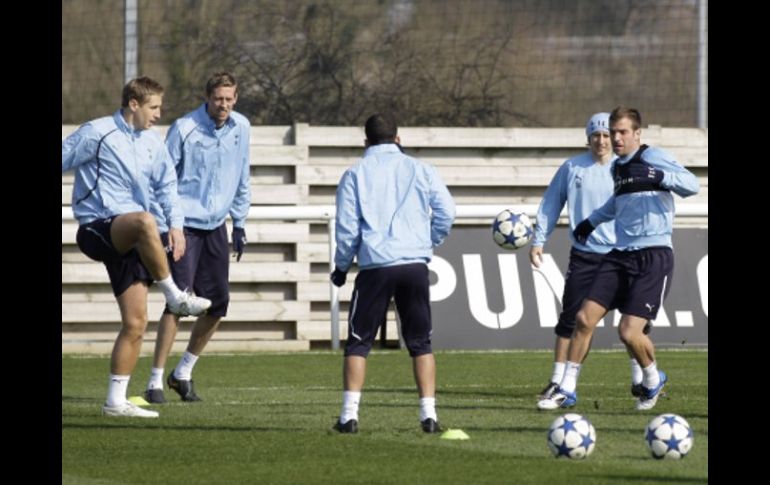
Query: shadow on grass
[[647, 479], [134, 424], [503, 429], [513, 394], [74, 399], [469, 393], [632, 412]]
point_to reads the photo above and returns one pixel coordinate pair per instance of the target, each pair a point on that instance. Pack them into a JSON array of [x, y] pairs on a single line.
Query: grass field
[[266, 418]]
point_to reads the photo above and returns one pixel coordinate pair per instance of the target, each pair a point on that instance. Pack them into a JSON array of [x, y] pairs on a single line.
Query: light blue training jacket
[[132, 165], [646, 219], [391, 209], [584, 186], [212, 167]]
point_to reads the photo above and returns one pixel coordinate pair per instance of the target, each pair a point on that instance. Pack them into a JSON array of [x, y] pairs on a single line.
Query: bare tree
[[430, 62]]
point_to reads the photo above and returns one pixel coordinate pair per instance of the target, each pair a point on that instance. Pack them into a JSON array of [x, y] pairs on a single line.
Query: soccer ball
[[571, 435], [512, 230], [669, 436]]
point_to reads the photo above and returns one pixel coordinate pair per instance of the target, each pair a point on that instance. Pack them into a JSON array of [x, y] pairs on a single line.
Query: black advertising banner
[[486, 297]]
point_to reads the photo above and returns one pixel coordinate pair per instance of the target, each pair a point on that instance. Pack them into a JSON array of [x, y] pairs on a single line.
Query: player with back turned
[[392, 210]]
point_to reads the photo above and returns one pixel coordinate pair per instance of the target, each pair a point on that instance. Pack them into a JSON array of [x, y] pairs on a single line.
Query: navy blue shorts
[[634, 282], [408, 284], [95, 241], [205, 266], [580, 274]]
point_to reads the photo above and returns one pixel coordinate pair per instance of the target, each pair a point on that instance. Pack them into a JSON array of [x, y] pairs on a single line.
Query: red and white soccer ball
[[571, 435], [669, 436], [512, 230]]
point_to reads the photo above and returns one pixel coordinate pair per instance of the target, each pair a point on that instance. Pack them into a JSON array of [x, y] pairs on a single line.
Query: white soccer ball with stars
[[571, 435], [512, 230], [669, 436]]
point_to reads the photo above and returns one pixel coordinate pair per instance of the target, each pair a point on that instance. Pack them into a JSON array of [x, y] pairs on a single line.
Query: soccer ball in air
[[512, 230], [571, 435], [669, 436]]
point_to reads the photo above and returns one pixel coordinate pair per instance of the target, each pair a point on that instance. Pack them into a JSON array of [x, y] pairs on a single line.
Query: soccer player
[[392, 210], [119, 164], [635, 277], [210, 151], [584, 183]]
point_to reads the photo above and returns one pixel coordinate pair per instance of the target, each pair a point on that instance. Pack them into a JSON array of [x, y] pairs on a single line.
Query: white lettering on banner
[[549, 288], [616, 319], [549, 284], [684, 319], [446, 279], [477, 293], [661, 320], [703, 283]]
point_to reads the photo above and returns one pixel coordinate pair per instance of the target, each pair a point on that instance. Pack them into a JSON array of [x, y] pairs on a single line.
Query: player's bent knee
[[145, 223], [583, 322], [133, 329], [626, 334]]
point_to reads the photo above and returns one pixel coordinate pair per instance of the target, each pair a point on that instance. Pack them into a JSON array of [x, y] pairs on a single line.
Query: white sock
[[651, 376], [558, 372], [184, 369], [350, 401], [169, 288], [428, 408], [156, 378], [116, 391], [571, 374], [636, 372]]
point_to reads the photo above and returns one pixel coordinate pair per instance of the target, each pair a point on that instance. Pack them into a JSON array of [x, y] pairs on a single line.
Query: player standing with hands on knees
[[210, 152], [584, 183], [392, 210], [635, 277], [120, 166]]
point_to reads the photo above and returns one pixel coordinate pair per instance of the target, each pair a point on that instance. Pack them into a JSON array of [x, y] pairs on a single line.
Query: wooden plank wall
[[279, 291]]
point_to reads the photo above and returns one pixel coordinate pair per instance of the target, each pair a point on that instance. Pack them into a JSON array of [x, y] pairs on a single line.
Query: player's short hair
[[381, 128], [140, 89], [626, 112], [220, 79]]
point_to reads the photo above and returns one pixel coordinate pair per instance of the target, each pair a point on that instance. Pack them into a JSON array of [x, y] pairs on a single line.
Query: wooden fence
[[279, 293]]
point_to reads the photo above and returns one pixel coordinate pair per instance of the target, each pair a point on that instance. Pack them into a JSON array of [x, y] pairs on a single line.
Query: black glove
[[338, 277], [582, 231], [635, 173], [239, 241]]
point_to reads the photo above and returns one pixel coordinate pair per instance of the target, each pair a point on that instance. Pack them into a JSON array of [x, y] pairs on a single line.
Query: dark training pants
[[408, 284]]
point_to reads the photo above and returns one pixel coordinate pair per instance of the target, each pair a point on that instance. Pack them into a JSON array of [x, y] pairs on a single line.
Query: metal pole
[[703, 53], [334, 297], [130, 41]]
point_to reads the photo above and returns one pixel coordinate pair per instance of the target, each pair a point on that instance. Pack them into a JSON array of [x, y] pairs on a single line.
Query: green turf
[[266, 418]]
